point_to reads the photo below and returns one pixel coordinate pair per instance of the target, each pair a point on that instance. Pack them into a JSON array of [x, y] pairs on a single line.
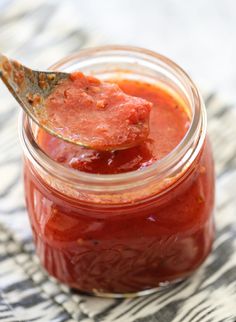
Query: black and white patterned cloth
[[39, 33]]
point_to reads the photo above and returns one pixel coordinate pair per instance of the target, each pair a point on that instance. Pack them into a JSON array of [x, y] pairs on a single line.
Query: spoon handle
[[8, 76], [29, 87]]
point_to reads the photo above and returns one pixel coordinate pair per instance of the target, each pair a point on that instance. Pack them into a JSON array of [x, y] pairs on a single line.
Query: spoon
[[104, 118], [29, 87]]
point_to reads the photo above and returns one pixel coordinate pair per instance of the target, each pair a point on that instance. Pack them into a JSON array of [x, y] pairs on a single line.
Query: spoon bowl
[[87, 112]]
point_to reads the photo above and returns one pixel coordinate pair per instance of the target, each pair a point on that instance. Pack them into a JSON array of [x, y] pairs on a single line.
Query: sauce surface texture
[[168, 125], [96, 114]]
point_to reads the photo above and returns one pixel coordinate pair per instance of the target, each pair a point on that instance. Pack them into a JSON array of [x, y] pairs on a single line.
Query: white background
[[200, 35]]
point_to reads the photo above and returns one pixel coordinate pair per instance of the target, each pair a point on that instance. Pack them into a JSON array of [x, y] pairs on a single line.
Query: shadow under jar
[[113, 234]]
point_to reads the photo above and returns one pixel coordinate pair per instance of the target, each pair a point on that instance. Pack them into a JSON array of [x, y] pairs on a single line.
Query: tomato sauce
[[97, 114], [168, 125], [125, 248]]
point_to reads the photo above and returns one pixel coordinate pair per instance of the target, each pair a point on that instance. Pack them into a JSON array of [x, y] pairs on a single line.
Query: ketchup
[[131, 247]]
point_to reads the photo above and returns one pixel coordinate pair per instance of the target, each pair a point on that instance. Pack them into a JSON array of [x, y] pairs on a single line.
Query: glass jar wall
[[130, 232]]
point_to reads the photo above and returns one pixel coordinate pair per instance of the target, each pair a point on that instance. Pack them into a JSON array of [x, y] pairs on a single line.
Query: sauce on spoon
[[97, 114]]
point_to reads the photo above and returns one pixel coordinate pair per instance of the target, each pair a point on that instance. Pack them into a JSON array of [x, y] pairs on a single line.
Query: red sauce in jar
[[168, 125], [132, 247], [84, 110]]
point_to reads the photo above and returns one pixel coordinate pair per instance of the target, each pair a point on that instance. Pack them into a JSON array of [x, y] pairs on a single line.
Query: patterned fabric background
[[27, 293]]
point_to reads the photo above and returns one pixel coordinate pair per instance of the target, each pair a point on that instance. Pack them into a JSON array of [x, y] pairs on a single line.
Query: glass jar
[[132, 233]]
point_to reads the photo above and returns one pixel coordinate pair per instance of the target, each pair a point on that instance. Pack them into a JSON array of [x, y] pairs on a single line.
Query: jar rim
[[181, 156]]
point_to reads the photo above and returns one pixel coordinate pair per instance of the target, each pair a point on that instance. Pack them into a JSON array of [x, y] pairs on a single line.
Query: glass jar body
[[125, 249], [127, 235]]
